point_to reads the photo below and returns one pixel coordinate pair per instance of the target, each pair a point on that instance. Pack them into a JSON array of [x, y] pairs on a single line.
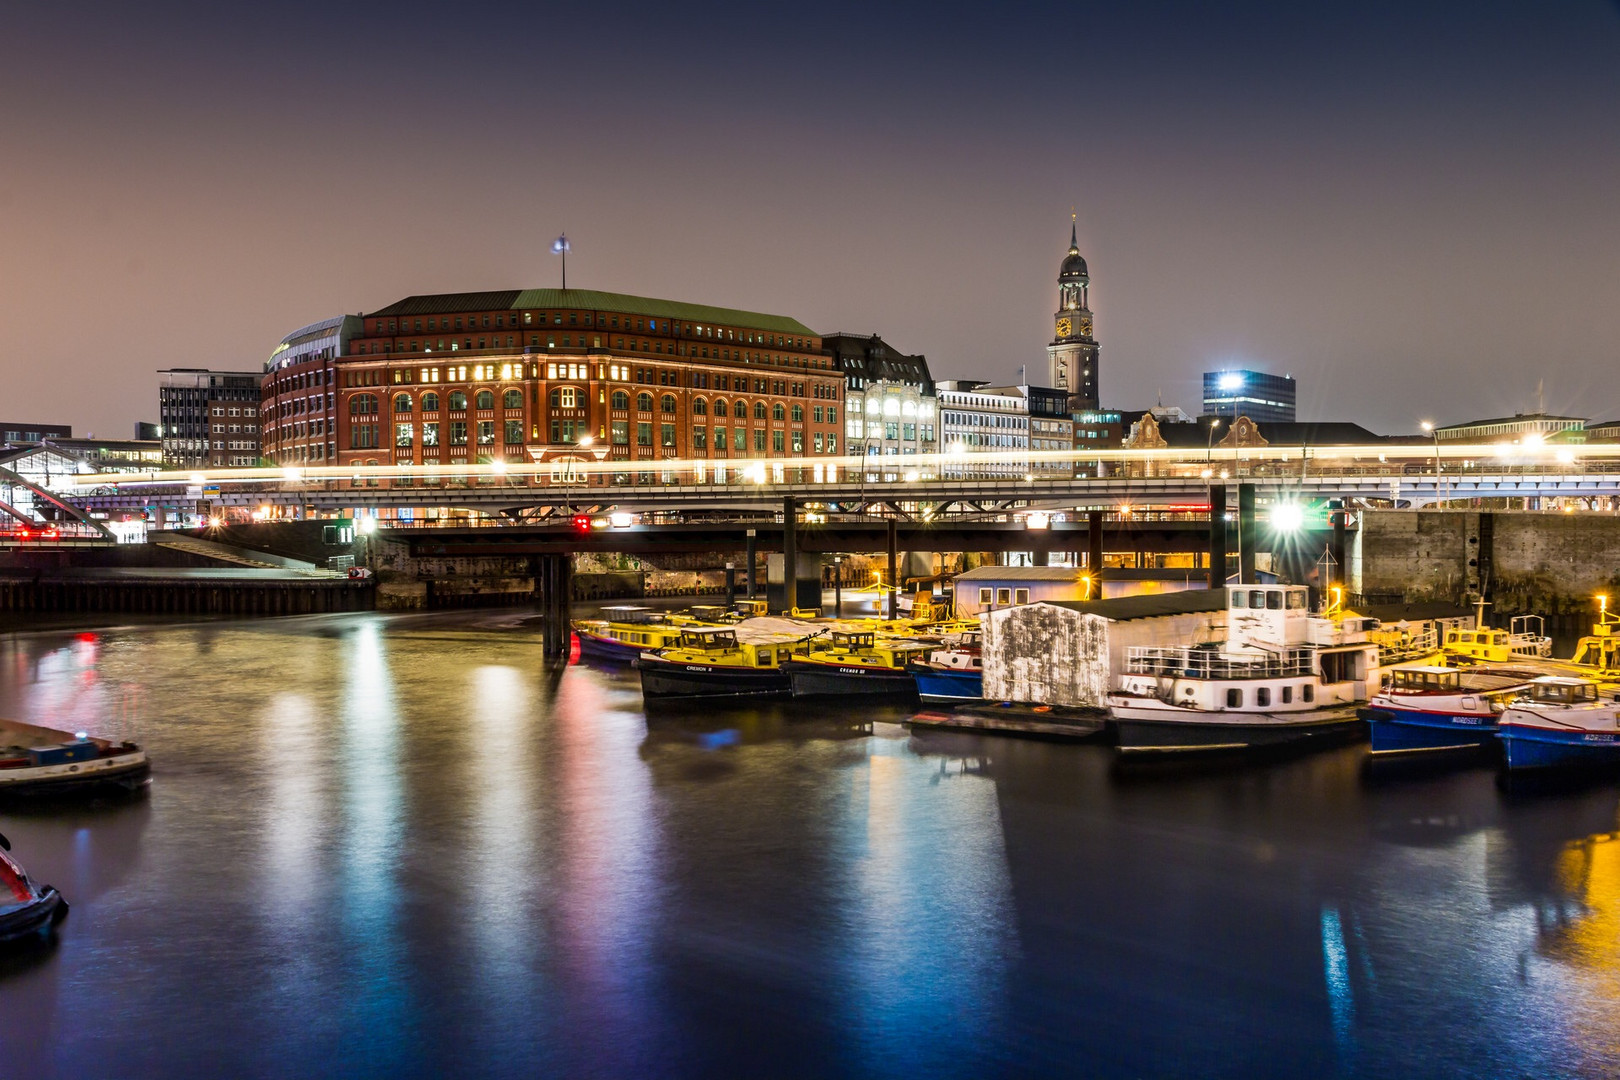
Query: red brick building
[[548, 375]]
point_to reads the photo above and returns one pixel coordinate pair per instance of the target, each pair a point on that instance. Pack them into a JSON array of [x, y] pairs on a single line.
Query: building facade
[[1516, 428], [1072, 355], [209, 419], [1097, 429], [1051, 427], [20, 433], [298, 413], [975, 419], [559, 377], [1261, 397], [889, 403]]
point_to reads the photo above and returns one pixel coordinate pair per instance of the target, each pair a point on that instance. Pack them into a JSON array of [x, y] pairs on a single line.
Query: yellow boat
[[854, 662], [742, 661]]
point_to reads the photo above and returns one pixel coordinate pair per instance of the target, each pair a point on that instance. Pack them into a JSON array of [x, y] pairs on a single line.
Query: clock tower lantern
[[1072, 356]]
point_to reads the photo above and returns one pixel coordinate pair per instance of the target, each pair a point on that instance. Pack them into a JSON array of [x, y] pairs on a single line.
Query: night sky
[[1411, 209]]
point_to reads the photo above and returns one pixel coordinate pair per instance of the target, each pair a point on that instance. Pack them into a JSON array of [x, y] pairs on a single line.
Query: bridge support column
[[1094, 550], [731, 584], [1041, 558], [554, 581], [790, 554], [1340, 572], [1217, 535], [894, 568], [752, 558], [1246, 534]]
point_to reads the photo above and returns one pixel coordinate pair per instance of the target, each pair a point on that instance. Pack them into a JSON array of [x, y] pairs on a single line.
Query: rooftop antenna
[[561, 246]]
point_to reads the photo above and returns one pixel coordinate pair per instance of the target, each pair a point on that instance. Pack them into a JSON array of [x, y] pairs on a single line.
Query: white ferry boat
[[1282, 676]]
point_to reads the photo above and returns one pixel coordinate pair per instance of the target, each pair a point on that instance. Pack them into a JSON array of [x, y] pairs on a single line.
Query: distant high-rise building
[[1261, 397], [209, 418], [1072, 356]]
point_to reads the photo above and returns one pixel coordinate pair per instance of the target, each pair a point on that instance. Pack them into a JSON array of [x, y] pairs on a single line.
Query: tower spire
[[1074, 223]]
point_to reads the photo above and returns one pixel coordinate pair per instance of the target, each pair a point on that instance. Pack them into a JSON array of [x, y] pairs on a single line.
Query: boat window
[[1237, 598], [763, 658], [1470, 703], [1234, 699], [1274, 601], [1257, 599], [1262, 696], [1287, 694], [1307, 693], [985, 595], [1003, 596], [1296, 601]]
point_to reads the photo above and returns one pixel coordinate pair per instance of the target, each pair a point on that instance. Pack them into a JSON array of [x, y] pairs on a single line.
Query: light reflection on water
[[396, 847]]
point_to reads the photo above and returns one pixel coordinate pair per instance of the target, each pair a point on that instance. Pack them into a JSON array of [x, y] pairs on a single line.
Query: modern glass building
[[1261, 397]]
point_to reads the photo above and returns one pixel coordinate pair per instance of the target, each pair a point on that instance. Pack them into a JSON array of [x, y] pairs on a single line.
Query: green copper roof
[[590, 300]]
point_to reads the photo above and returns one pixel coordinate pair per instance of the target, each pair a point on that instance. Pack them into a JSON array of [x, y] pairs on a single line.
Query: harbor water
[[398, 846]]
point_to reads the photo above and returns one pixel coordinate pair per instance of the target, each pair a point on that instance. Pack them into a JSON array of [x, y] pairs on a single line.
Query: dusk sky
[[1414, 210]]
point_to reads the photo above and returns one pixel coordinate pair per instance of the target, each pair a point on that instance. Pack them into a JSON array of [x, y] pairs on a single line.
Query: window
[[1003, 596], [1234, 699], [458, 433], [759, 440], [666, 435], [700, 438], [700, 407], [619, 432], [798, 442], [644, 402], [1262, 697], [798, 414], [667, 404], [777, 442], [512, 399], [643, 433], [719, 438], [514, 432], [402, 403], [363, 404], [986, 595], [620, 400], [430, 433], [486, 433], [404, 434], [720, 407], [1021, 596], [430, 402], [485, 399], [567, 397], [458, 402], [1288, 694], [832, 444]]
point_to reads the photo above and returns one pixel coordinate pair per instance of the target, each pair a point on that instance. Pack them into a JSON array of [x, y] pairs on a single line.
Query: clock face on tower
[[1065, 327], [1085, 327]]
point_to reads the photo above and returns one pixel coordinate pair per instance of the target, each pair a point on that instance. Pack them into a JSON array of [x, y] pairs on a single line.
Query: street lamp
[[1209, 450], [1430, 428]]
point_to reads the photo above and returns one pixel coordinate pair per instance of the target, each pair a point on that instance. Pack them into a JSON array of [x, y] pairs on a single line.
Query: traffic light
[[582, 523]]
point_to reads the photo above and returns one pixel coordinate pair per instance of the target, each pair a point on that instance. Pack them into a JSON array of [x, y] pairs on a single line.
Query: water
[[394, 846]]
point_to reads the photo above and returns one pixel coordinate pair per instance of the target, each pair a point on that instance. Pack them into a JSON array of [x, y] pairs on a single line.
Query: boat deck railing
[[1208, 664]]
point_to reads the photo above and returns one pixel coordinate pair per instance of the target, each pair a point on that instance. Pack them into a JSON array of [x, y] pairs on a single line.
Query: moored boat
[[1282, 677], [1562, 722], [26, 907], [742, 661], [1430, 709], [853, 662], [40, 761], [626, 631], [953, 672]]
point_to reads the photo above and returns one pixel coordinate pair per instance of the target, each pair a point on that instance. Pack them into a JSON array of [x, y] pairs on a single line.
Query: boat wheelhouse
[[1562, 722], [1282, 675], [954, 672], [1525, 639], [1432, 709]]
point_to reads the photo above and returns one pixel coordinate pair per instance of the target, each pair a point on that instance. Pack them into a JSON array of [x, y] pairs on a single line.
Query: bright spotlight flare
[[1287, 517]]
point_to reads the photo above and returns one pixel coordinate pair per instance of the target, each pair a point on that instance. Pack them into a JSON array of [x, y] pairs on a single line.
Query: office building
[[1261, 397], [975, 419], [298, 413], [209, 419], [889, 403]]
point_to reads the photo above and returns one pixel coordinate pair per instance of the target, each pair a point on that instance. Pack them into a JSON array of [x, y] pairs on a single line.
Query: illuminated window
[[458, 401]]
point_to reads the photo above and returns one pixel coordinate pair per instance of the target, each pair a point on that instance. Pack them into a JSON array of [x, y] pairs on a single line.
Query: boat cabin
[[852, 640], [1424, 680], [751, 609], [1271, 618], [1558, 690]]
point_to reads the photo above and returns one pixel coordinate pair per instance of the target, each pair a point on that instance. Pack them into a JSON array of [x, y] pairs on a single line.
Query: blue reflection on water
[[1336, 965]]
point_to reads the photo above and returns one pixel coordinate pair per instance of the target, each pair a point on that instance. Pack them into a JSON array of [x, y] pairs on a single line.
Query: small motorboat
[[1427, 709], [854, 662], [26, 908], [716, 663], [38, 760], [952, 673], [1562, 722]]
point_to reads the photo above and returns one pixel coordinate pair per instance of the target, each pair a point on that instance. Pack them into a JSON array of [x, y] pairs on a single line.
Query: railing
[[1189, 663]]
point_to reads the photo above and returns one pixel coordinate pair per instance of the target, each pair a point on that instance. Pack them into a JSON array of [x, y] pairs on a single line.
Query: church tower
[[1072, 356]]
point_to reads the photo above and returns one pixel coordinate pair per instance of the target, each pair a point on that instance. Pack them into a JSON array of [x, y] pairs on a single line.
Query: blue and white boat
[[1562, 722], [1423, 709], [953, 673]]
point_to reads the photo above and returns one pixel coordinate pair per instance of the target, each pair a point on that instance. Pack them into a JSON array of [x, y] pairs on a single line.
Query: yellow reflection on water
[[1589, 944]]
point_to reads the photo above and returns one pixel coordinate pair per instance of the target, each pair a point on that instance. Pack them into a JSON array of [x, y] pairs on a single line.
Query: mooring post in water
[[753, 535], [731, 584], [1217, 535], [894, 567], [1094, 551], [1246, 537]]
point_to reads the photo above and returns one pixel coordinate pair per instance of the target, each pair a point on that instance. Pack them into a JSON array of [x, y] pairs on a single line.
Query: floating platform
[[1014, 718]]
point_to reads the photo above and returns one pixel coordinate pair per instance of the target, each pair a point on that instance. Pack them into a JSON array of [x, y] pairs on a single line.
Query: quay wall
[[57, 593], [1523, 562]]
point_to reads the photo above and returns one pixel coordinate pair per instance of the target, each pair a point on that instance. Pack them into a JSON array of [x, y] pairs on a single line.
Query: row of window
[[576, 318]]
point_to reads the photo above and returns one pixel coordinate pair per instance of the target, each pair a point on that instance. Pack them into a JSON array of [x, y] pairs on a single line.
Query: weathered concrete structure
[[1066, 653], [1522, 561]]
